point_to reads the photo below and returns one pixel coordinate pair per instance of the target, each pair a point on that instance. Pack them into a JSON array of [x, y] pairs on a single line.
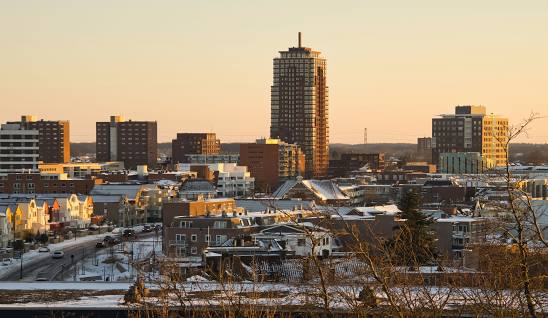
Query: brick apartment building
[[53, 138], [349, 162], [132, 142], [194, 144], [37, 183], [271, 162]]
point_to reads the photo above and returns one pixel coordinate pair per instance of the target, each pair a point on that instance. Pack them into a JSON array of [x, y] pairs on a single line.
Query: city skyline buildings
[[389, 63]]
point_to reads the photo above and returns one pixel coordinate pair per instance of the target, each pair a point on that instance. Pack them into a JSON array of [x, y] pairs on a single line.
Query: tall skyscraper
[[299, 105], [470, 129], [133, 142], [53, 136]]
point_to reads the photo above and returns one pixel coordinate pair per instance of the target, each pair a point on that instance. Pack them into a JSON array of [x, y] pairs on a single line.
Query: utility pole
[[21, 273]]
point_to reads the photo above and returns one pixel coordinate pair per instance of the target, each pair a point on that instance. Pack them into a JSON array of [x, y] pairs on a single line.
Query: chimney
[[299, 39]]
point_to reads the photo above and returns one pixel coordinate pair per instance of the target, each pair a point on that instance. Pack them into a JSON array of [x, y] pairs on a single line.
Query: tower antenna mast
[[364, 138]]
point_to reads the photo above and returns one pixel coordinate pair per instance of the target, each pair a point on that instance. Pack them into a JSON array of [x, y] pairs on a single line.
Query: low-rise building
[[137, 201], [352, 162], [195, 189], [300, 239], [464, 163], [80, 170], [29, 183], [231, 180], [419, 166], [455, 233]]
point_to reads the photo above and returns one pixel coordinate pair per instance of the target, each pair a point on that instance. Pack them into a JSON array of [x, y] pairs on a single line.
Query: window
[[180, 237], [206, 238], [220, 239], [194, 250], [301, 242], [185, 224], [220, 225], [194, 237]]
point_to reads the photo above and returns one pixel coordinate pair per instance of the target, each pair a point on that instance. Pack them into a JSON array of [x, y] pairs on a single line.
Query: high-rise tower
[[299, 105]]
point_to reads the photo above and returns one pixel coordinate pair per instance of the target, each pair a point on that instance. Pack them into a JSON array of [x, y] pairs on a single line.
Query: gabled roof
[[282, 228], [4, 208], [197, 185], [323, 189], [106, 198], [288, 228], [128, 190]]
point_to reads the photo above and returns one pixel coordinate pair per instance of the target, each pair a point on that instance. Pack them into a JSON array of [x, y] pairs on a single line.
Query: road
[[53, 269], [49, 268]]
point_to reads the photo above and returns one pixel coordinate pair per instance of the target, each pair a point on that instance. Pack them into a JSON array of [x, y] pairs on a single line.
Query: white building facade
[[18, 149]]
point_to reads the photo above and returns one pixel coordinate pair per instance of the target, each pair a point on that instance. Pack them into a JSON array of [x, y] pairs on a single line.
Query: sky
[[207, 65]]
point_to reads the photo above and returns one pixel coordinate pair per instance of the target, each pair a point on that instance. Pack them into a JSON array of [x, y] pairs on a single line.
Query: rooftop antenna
[[299, 39], [364, 138]]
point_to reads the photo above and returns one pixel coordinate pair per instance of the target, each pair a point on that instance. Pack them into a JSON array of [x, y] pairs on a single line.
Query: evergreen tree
[[415, 237]]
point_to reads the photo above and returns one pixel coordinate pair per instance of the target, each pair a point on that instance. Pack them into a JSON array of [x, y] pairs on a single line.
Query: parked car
[[93, 227], [6, 261], [147, 228], [158, 228], [100, 244], [129, 233], [58, 254], [44, 249]]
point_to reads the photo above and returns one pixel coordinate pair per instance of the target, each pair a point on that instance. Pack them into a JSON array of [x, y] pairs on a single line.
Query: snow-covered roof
[[323, 189], [263, 205], [457, 219]]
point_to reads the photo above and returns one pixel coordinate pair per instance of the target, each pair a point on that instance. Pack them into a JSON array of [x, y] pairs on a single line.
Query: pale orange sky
[[207, 65]]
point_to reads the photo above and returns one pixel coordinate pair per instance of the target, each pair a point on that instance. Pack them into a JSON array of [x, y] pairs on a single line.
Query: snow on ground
[[116, 263], [95, 302], [34, 255], [64, 286]]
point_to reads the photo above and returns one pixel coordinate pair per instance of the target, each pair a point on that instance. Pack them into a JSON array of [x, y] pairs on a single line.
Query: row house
[[30, 215], [6, 215], [39, 213], [71, 209]]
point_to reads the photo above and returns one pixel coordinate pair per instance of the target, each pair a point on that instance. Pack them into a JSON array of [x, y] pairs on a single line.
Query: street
[[47, 268]]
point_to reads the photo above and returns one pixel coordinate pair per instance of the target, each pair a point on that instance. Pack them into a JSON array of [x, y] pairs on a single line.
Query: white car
[[44, 249], [58, 254], [7, 261]]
